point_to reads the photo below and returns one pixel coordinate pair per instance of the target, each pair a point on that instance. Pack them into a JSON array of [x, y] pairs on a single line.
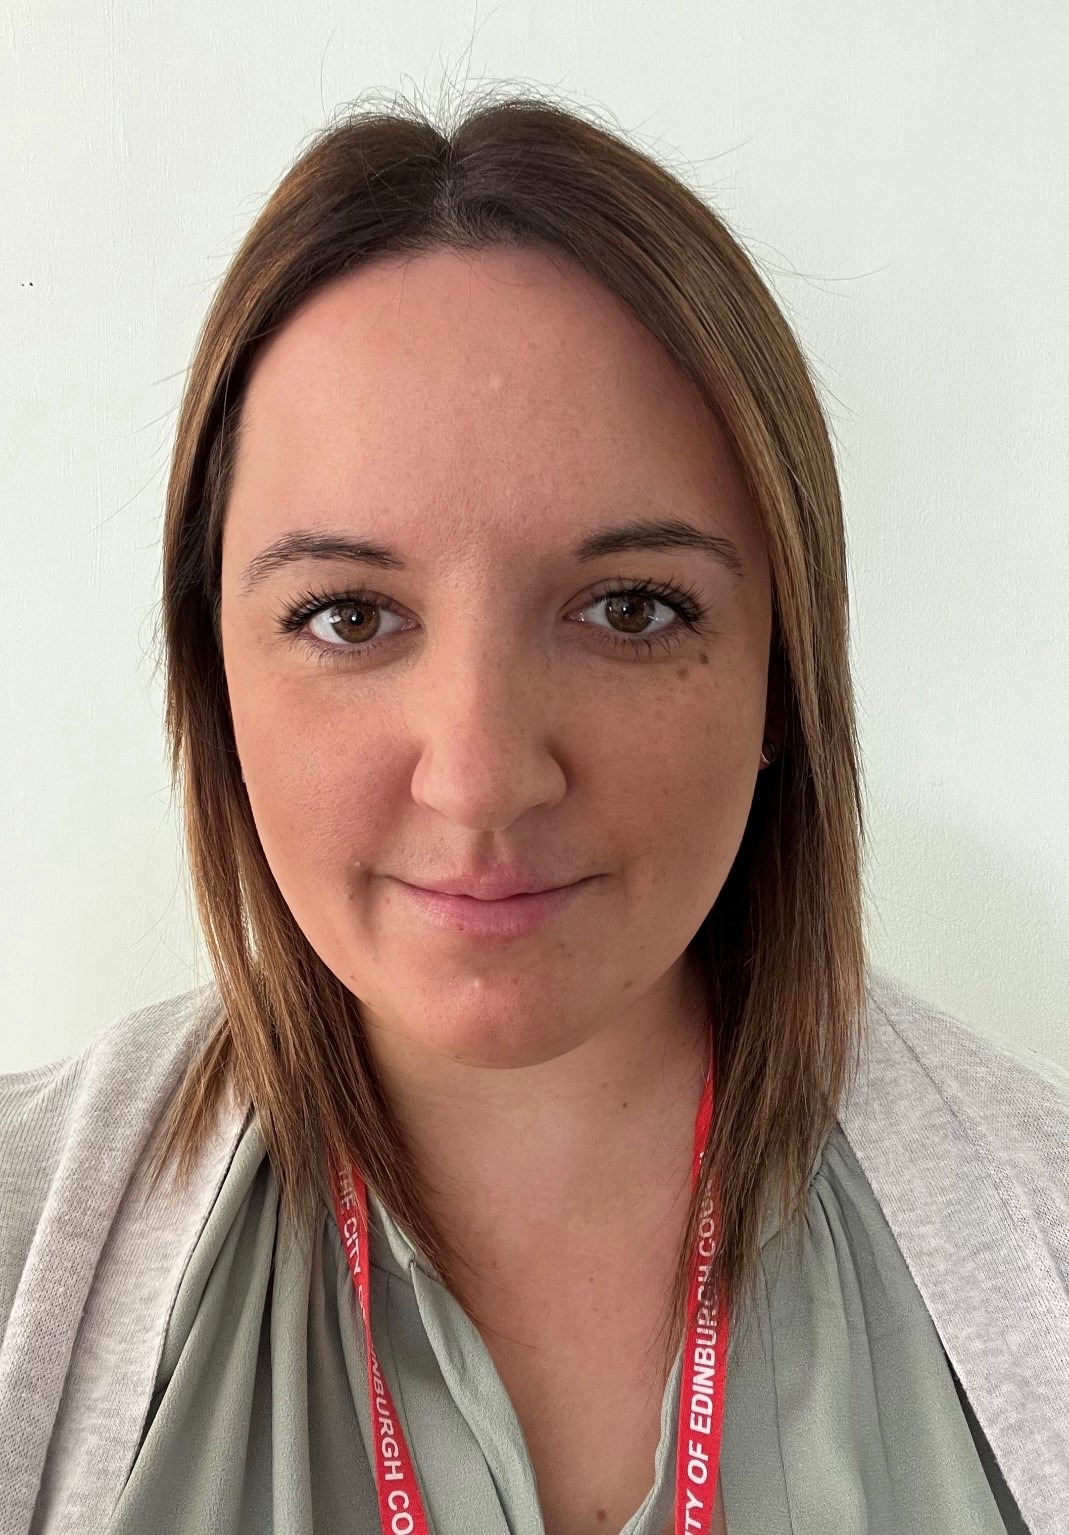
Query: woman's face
[[473, 700]]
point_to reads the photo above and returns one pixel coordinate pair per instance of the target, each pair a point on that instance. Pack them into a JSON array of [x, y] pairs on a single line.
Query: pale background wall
[[897, 170]]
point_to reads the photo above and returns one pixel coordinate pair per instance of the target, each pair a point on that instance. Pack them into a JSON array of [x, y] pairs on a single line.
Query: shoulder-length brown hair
[[782, 945]]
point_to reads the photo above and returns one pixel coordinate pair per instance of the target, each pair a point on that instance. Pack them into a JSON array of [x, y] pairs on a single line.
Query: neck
[[574, 1149]]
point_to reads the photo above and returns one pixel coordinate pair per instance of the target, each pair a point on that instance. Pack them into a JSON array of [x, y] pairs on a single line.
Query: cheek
[[683, 788], [319, 785]]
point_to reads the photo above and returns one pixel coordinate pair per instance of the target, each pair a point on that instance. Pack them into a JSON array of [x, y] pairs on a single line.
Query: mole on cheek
[[684, 671]]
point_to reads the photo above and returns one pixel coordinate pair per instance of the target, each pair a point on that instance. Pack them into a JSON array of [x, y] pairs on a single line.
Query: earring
[[768, 753]]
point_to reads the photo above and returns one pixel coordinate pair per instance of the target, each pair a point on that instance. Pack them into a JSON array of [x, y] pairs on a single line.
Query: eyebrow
[[657, 536]]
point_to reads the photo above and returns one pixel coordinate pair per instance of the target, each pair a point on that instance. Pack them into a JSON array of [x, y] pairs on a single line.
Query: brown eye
[[351, 622], [631, 609], [336, 625], [634, 610]]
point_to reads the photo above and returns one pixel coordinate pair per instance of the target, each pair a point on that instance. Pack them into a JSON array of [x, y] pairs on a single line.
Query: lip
[[509, 916], [493, 887]]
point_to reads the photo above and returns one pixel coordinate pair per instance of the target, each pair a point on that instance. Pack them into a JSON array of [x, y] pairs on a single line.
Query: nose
[[487, 740]]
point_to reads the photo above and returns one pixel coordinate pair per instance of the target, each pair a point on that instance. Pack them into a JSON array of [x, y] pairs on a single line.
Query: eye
[[632, 604], [352, 618]]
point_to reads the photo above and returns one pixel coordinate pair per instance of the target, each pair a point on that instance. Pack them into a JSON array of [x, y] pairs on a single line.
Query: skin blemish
[[602, 1515]]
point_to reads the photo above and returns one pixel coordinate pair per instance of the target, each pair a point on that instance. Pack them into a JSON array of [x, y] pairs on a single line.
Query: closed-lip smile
[[493, 887], [498, 911]]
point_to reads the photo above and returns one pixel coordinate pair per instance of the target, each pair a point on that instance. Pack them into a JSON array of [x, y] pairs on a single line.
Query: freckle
[[623, 1105], [683, 673], [703, 657], [602, 1515]]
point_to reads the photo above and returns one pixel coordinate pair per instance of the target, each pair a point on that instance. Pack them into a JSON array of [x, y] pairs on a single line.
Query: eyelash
[[682, 599]]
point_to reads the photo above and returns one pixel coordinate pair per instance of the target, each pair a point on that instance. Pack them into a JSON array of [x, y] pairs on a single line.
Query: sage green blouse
[[842, 1411]]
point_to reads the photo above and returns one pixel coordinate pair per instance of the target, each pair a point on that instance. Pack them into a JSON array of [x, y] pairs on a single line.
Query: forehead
[[504, 385]]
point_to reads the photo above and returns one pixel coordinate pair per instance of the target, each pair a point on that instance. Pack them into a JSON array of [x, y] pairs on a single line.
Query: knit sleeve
[[35, 1107]]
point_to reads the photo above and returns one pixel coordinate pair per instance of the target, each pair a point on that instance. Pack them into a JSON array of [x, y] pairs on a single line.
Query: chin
[[495, 1030], [500, 1047]]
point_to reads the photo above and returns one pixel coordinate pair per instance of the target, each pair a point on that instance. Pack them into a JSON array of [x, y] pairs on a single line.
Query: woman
[[505, 612]]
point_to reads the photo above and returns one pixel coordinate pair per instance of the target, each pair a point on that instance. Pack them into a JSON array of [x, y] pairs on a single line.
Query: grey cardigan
[[964, 1141]]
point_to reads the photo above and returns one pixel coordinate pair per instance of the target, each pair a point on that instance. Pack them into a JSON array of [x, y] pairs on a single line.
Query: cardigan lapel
[[956, 1139], [89, 1316]]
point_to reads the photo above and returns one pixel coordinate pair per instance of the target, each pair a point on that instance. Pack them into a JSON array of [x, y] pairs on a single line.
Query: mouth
[[511, 916]]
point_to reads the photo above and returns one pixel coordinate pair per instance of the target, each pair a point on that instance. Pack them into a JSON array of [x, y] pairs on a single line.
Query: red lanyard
[[701, 1387]]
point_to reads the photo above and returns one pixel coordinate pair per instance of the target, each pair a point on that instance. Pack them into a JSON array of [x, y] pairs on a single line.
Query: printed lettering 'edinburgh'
[[701, 1387]]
